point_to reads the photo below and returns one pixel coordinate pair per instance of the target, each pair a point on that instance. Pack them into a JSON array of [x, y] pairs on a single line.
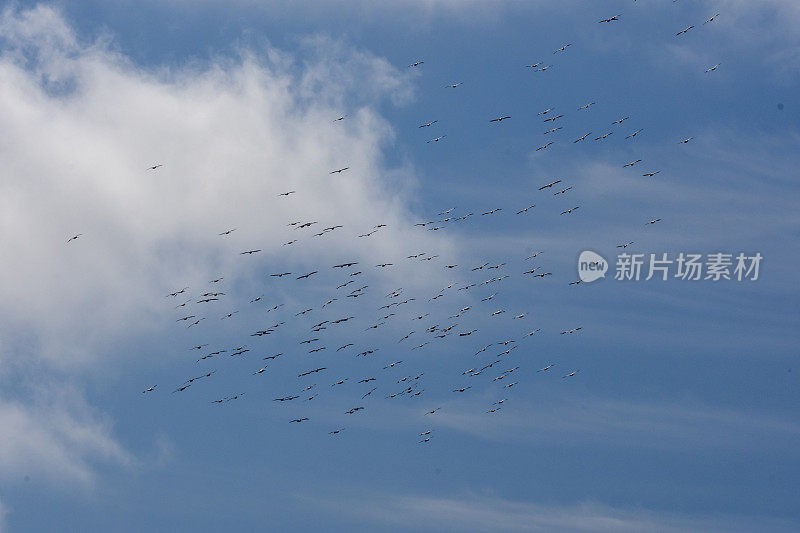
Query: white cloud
[[57, 439], [81, 126], [649, 425], [485, 512]]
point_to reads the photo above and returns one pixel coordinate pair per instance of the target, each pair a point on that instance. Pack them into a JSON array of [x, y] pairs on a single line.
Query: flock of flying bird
[[342, 323]]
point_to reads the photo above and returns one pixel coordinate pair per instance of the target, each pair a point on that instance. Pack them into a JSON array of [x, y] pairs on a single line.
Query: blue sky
[[682, 415]]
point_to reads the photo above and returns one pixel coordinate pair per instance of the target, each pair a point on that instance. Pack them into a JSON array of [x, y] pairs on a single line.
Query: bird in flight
[[249, 252], [429, 124], [634, 134], [631, 163], [155, 166], [563, 48], [228, 232], [611, 19], [339, 171], [582, 138], [287, 193], [544, 146], [74, 237], [415, 64], [453, 86], [711, 19], [684, 30], [500, 119], [549, 184], [178, 292], [437, 139], [624, 245], [712, 69], [568, 211], [587, 106], [651, 174], [654, 221], [304, 276]]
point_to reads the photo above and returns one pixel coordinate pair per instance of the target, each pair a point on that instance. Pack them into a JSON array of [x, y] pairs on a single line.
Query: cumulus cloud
[[83, 123]]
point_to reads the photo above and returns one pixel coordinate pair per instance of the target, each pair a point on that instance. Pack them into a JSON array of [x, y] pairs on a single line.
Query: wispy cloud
[[486, 512], [650, 425], [57, 438]]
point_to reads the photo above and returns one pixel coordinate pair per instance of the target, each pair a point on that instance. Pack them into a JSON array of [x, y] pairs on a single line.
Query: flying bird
[[549, 184]]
